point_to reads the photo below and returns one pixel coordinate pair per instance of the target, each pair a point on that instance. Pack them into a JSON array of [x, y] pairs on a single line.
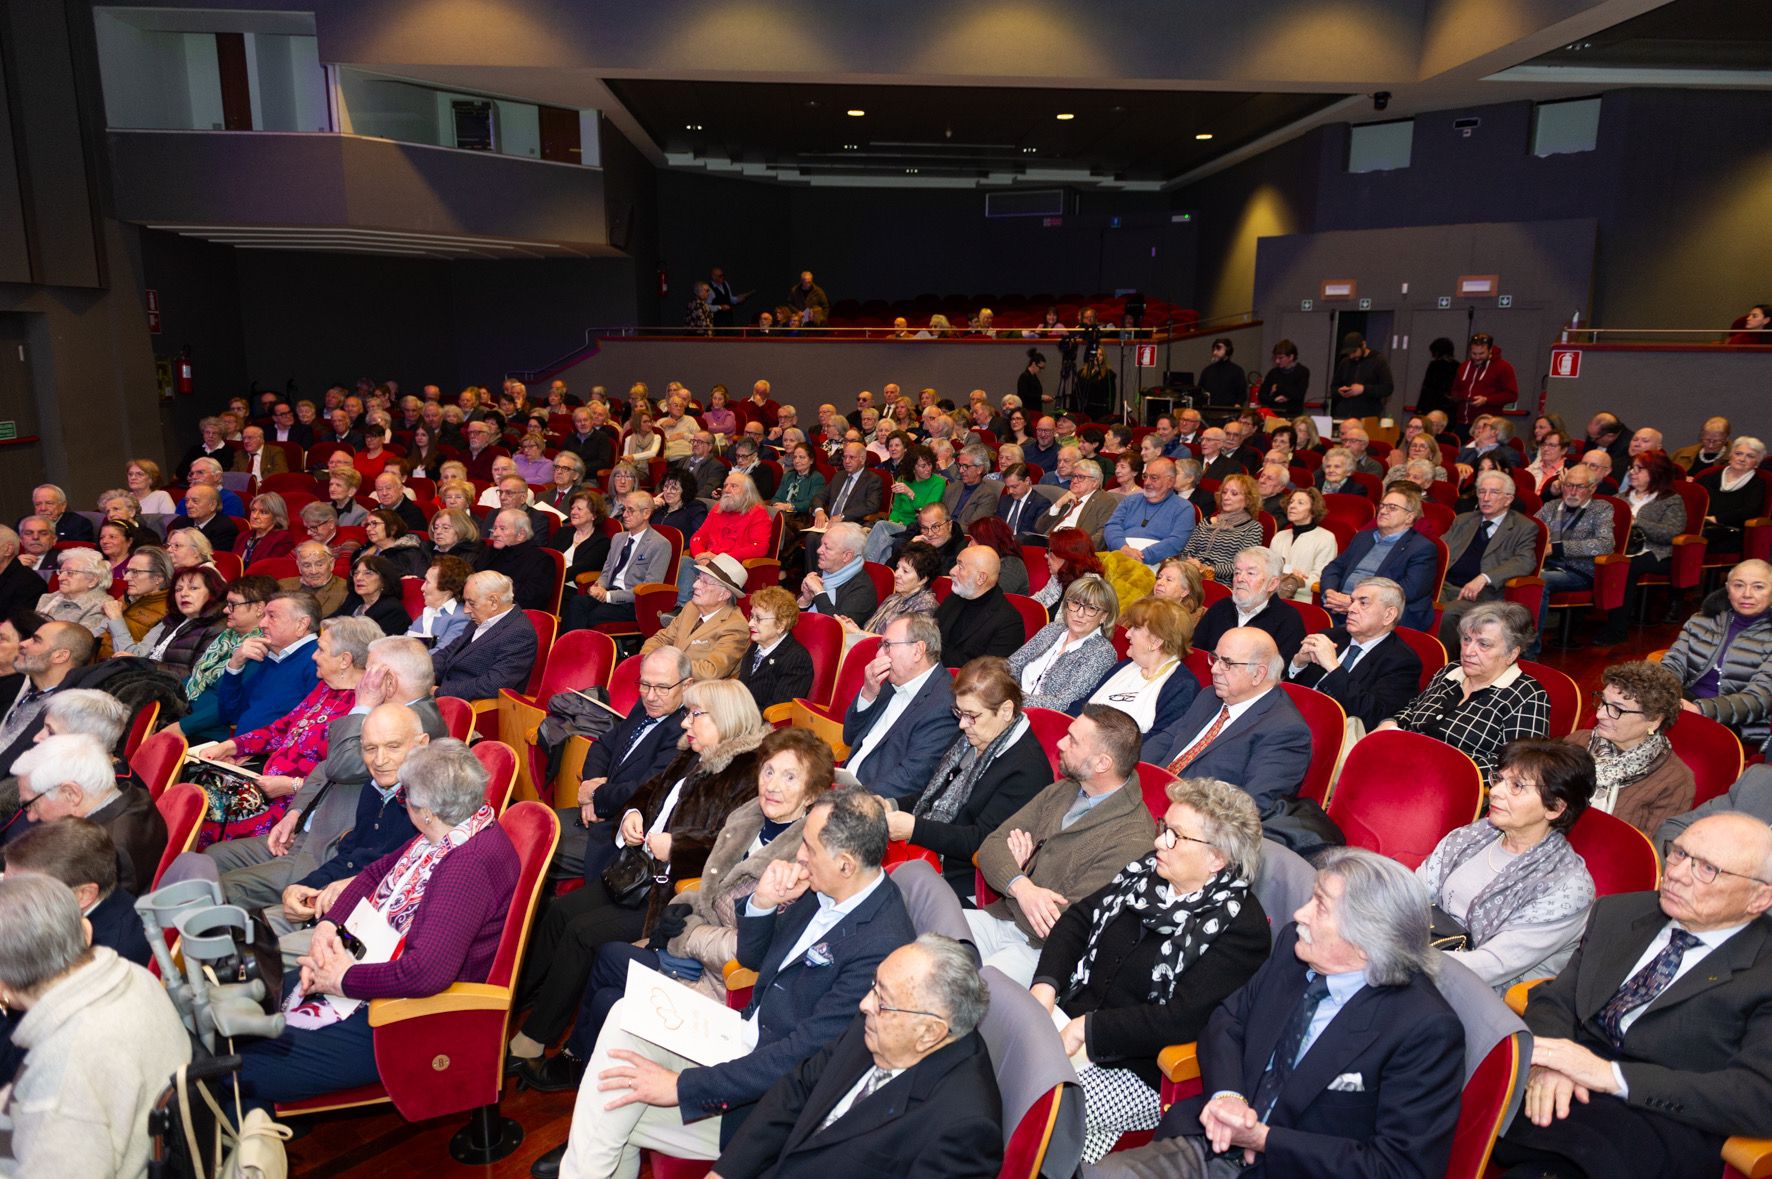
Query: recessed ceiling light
[[1066, 117], [1204, 135], [912, 171], [852, 147], [856, 113], [692, 126], [1028, 151]]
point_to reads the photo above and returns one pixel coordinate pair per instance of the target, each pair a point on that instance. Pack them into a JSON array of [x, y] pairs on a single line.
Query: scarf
[[400, 892], [214, 660], [1188, 923], [960, 769], [1616, 768], [1529, 891], [835, 581], [1234, 519]]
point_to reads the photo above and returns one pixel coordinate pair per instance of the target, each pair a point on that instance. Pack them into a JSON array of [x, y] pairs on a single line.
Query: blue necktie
[[1279, 1069], [1642, 987]]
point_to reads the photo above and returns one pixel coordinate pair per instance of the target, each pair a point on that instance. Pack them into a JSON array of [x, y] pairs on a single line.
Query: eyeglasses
[[696, 714], [25, 804], [899, 642], [1168, 837], [136, 572], [1703, 870], [1214, 660], [966, 718], [1077, 606], [1392, 508], [659, 689], [885, 1008], [1617, 710]]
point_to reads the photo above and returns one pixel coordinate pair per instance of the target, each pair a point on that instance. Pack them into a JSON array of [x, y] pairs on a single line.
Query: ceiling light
[[692, 126], [1065, 118], [912, 171], [1204, 135], [1028, 151], [852, 147], [856, 113]]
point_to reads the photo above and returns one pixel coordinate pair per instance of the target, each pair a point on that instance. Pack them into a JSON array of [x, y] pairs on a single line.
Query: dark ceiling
[[1686, 34], [955, 131]]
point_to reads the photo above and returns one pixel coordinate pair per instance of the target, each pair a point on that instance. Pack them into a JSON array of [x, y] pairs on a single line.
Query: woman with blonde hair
[[1233, 528], [1179, 581], [1153, 686], [453, 534], [1056, 667]]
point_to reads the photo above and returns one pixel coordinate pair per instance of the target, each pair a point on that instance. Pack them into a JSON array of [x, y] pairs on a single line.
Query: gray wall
[[1672, 390]]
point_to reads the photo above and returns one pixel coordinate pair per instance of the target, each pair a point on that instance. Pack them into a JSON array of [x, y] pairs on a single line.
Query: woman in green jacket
[[909, 496]]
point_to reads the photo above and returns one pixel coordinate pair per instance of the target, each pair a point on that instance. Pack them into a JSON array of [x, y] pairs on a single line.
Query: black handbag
[[631, 876], [1446, 932]]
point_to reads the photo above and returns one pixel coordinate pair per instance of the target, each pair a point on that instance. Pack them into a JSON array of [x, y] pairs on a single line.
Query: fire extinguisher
[[664, 282], [184, 382]]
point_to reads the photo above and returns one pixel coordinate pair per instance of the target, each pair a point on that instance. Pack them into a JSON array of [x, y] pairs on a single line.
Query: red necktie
[[1186, 757]]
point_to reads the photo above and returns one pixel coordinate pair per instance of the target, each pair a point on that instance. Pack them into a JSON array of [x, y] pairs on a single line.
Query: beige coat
[[714, 647]]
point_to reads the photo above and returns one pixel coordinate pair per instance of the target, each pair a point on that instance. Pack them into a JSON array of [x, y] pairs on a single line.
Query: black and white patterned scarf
[[1187, 922]]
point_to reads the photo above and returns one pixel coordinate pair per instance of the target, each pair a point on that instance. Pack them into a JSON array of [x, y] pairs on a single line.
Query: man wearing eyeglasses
[[637, 556], [902, 721], [1650, 1047], [1392, 550], [972, 496]]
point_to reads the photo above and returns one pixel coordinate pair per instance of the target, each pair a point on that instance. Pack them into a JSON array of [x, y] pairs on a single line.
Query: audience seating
[[1042, 1101], [458, 716], [1428, 649], [624, 694], [1033, 615], [546, 627], [761, 572], [1048, 726], [1528, 591], [158, 761], [1316, 619], [1153, 783], [182, 809], [1687, 569], [1619, 857], [1711, 750], [1327, 721], [277, 568], [412, 596], [651, 598], [580, 659], [882, 578], [1400, 793], [1033, 556], [140, 725], [1565, 697], [1355, 510], [500, 762]]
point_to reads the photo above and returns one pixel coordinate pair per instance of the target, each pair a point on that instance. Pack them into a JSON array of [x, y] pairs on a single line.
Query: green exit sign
[[8, 431]]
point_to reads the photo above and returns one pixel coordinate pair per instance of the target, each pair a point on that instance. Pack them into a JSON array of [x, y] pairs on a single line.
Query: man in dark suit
[[856, 493], [1362, 665], [497, 650], [202, 511], [20, 587], [709, 472], [1245, 731], [1372, 1089], [515, 552], [1649, 1048], [72, 774], [902, 721], [50, 503], [977, 619], [1083, 505], [1216, 458], [1255, 578], [592, 445], [841, 586], [1393, 550], [815, 931], [47, 662], [1484, 549], [1020, 506], [285, 428], [909, 1086]]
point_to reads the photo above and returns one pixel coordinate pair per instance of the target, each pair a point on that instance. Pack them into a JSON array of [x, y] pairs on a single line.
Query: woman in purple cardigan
[[447, 892]]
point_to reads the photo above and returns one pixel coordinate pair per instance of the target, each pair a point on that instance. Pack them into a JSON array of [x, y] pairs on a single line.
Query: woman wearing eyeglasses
[[1153, 686], [192, 622], [1509, 883], [1640, 778], [1070, 654], [1144, 961]]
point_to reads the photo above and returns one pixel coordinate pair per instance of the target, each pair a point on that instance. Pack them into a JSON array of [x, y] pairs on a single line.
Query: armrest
[[737, 976], [778, 714], [1756, 539], [1688, 562], [1611, 579], [459, 997], [1518, 994], [1751, 1156], [691, 884], [585, 580], [1180, 1062]]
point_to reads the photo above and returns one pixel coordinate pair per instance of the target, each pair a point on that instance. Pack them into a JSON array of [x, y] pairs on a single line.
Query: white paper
[[380, 942], [680, 1019], [1080, 1058], [1141, 543]]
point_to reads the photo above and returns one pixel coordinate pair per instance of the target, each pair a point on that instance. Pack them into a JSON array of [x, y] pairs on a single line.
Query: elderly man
[[1237, 444], [1272, 481], [1580, 530], [482, 438], [514, 495], [1068, 457], [1489, 435], [1154, 526], [976, 619], [515, 553], [841, 586], [316, 570], [202, 510], [709, 628], [1650, 1047], [50, 503], [1605, 431], [1084, 827], [1255, 578], [1485, 548], [266, 676], [1355, 441], [255, 458], [832, 905], [20, 587], [739, 527], [971, 496], [72, 775], [917, 1029], [1711, 449], [746, 462], [498, 649], [902, 721], [390, 495], [709, 472], [1042, 450], [1217, 455], [208, 472], [1246, 731], [82, 855], [856, 495], [637, 556], [1360, 664], [592, 444], [37, 551], [45, 664], [1339, 1058], [759, 407], [1646, 439], [1083, 505]]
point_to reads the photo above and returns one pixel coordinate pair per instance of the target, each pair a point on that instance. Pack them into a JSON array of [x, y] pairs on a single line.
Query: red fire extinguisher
[[184, 382], [664, 282]]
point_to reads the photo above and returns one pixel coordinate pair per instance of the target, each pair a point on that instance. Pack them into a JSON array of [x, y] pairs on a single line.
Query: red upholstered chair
[[1316, 619], [1356, 510], [1372, 485], [941, 587], [580, 659], [1039, 572], [1710, 750], [1565, 697], [1400, 793], [500, 761], [676, 539], [1687, 569], [182, 809], [651, 598], [158, 761], [458, 716], [624, 684], [1033, 615], [286, 482], [1428, 649], [1200, 665], [1268, 527], [848, 683], [140, 725], [546, 627], [1153, 783], [278, 568], [1048, 726], [822, 636], [1528, 591], [412, 596], [559, 583], [1215, 592], [900, 852], [444, 1053], [1619, 857], [761, 572], [1435, 518], [228, 565], [881, 576], [1328, 725]]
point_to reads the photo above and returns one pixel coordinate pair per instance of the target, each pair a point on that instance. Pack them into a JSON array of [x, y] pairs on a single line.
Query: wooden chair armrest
[[1688, 538], [1611, 559], [1523, 582], [738, 977], [1180, 1062], [460, 997], [693, 884], [1751, 1156], [490, 704], [584, 580], [1518, 994], [777, 713]]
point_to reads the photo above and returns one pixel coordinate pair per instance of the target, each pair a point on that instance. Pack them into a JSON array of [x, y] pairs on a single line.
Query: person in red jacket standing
[[738, 527], [1485, 384]]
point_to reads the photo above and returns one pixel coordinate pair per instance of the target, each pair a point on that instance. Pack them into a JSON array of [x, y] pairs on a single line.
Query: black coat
[[589, 557], [221, 531], [530, 572], [19, 589], [1277, 618], [786, 672], [1387, 677], [856, 600], [1007, 784], [985, 625], [389, 612]]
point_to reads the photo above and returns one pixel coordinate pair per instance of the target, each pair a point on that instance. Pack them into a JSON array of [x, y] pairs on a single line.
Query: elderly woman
[[444, 619], [1072, 652], [1484, 700], [1723, 655], [532, 460], [267, 530], [1069, 555], [802, 487], [101, 1034], [1153, 686], [1233, 528], [455, 495], [624, 477], [916, 485], [1421, 449], [1179, 581], [1639, 777], [341, 493], [83, 586], [995, 767], [461, 849], [1303, 547], [191, 620], [147, 587], [1335, 475], [189, 548], [376, 594], [1128, 471], [581, 541], [143, 479], [670, 826], [776, 667], [918, 566], [390, 539], [1658, 514], [1509, 883], [292, 745], [120, 505], [454, 534], [1143, 961], [1737, 494]]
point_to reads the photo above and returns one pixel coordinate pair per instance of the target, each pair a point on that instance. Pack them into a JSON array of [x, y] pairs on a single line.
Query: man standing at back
[[1362, 381]]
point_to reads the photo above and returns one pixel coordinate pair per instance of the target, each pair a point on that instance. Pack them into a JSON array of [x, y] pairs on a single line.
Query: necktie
[[756, 661], [1015, 515], [1186, 757], [1279, 1069], [1354, 651], [21, 715], [1642, 987], [877, 1077], [621, 562], [842, 497], [646, 727]]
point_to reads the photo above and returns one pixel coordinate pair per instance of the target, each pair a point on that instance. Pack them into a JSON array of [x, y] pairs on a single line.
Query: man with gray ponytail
[[1338, 1058]]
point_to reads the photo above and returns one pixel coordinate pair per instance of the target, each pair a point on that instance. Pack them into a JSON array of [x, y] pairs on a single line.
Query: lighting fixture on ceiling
[[1066, 117], [856, 113], [912, 171], [1028, 151], [692, 126], [852, 147], [1203, 135]]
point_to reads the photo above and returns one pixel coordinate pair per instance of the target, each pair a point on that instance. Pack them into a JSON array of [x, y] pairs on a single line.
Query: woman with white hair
[[83, 586], [147, 594], [189, 548], [447, 892], [103, 1039]]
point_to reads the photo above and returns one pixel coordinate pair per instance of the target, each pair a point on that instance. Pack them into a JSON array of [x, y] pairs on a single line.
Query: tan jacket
[[714, 649], [330, 598], [727, 880], [1075, 861]]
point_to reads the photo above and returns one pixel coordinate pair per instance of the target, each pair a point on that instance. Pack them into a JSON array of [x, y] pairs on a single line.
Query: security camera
[[1381, 100]]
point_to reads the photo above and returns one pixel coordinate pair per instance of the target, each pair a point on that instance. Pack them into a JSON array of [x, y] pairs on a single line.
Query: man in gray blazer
[[1484, 548], [1085, 505], [637, 556], [855, 494], [841, 585], [972, 497]]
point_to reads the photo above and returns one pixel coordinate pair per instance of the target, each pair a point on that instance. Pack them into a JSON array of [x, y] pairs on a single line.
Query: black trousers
[[562, 951], [1609, 1139]]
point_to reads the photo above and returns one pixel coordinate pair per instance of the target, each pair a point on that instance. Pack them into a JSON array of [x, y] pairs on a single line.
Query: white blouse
[[1128, 691]]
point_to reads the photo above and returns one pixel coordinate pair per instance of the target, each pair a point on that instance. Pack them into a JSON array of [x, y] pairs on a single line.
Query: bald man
[[977, 619]]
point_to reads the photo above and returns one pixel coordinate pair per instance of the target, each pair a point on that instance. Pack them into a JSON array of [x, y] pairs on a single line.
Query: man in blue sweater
[[266, 677], [1153, 526]]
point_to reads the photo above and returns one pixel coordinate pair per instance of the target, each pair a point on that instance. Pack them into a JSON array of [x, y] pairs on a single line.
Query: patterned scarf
[[960, 769], [1234, 519], [1616, 768], [1529, 891], [214, 660], [1188, 923], [398, 895]]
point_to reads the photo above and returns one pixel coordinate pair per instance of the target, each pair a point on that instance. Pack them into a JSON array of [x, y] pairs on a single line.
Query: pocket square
[[819, 955], [1348, 1083]]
